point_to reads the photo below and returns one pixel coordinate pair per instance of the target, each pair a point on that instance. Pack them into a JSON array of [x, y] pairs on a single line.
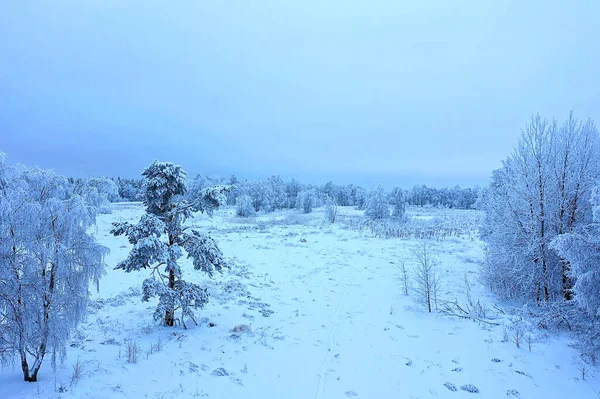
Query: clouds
[[298, 88]]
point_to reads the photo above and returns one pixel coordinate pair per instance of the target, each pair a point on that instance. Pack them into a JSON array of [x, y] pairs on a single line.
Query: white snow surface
[[314, 311]]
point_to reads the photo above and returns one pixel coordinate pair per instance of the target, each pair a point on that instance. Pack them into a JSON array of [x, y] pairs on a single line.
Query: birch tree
[[48, 262], [541, 191]]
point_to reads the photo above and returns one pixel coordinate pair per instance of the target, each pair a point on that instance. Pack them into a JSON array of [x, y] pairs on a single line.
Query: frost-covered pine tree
[[160, 240], [398, 201], [377, 206], [47, 262]]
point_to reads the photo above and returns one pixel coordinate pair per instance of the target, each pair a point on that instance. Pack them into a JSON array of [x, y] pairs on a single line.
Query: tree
[[159, 240], [426, 276], [244, 206], [233, 192], [398, 201], [359, 198], [306, 200], [277, 192], [261, 194], [292, 189], [582, 250], [129, 189], [331, 210], [537, 195], [377, 206], [48, 262]]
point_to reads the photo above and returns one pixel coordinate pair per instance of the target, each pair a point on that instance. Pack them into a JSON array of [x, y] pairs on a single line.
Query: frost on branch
[[204, 251]]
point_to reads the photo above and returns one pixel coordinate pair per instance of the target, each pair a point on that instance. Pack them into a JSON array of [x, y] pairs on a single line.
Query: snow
[[319, 313]]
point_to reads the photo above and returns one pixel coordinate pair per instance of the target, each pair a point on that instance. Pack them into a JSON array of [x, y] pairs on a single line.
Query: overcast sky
[[432, 92]]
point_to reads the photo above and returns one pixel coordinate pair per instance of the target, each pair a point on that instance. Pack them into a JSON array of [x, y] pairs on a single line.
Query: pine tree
[[159, 241]]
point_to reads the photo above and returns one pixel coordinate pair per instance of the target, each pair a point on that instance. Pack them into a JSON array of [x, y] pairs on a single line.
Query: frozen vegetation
[[166, 287]]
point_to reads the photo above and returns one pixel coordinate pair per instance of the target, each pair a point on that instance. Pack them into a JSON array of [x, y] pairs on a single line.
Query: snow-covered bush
[[244, 206], [47, 262], [159, 240], [377, 206], [331, 210]]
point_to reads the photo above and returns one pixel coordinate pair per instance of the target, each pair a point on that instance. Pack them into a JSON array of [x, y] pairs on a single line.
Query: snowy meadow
[[313, 309]]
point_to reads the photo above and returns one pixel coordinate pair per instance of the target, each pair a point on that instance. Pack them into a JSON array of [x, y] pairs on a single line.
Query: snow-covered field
[[308, 310]]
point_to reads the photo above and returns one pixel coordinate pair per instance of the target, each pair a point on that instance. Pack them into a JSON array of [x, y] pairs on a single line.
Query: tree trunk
[[170, 313], [567, 281], [25, 367]]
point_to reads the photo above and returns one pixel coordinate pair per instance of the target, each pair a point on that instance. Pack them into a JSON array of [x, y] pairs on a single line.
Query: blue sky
[[432, 92]]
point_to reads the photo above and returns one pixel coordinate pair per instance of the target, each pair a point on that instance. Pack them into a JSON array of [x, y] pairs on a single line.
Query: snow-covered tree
[[541, 191], [331, 210], [306, 200], [276, 191], [194, 187], [106, 187], [233, 192], [244, 206], [581, 248], [97, 191], [160, 240], [129, 189], [359, 198], [261, 194], [398, 201], [377, 206], [292, 189], [47, 262]]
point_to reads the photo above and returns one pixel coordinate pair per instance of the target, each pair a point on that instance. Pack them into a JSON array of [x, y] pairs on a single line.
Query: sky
[[394, 92]]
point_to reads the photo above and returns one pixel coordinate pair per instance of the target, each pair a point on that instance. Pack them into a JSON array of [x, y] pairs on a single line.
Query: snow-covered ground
[[308, 310]]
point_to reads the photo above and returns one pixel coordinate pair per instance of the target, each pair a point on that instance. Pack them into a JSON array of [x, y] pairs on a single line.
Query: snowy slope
[[312, 311]]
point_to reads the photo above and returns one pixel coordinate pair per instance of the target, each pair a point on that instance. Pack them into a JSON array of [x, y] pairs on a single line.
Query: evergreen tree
[[159, 240]]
